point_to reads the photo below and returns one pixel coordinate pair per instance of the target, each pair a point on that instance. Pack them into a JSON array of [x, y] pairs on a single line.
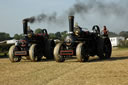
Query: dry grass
[[108, 72]]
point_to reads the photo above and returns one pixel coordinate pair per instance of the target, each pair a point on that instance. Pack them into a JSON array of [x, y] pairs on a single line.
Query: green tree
[[4, 36], [112, 34], [38, 30], [17, 37], [58, 35], [63, 35], [124, 34], [52, 36]]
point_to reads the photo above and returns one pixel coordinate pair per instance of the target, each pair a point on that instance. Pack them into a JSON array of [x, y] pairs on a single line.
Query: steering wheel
[[96, 29], [45, 33]]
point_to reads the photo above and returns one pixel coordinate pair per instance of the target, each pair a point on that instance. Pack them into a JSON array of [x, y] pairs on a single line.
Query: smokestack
[[25, 25], [71, 23]]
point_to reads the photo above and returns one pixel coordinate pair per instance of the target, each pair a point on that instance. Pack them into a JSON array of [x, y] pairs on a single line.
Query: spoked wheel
[[57, 55], [107, 49], [49, 47], [81, 54], [34, 53], [12, 56]]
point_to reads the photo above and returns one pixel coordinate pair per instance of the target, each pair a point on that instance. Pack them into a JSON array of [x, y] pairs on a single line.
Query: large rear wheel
[[49, 47], [12, 56], [34, 53], [81, 54], [57, 55], [107, 49]]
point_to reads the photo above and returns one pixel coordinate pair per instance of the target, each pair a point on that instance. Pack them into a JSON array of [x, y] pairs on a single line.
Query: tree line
[[57, 35]]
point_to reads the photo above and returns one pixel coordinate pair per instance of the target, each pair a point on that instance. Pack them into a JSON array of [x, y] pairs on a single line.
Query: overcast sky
[[14, 11]]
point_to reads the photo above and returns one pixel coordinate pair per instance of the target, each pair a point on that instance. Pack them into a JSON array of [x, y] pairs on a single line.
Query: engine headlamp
[[29, 35], [68, 42], [76, 32]]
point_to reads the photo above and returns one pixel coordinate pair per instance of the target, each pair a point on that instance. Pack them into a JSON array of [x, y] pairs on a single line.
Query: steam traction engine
[[82, 44], [33, 46]]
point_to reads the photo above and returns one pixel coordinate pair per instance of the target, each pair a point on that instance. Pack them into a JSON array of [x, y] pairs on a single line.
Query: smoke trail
[[113, 14], [102, 8]]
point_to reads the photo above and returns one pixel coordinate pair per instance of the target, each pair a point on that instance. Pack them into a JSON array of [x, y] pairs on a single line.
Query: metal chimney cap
[[70, 17]]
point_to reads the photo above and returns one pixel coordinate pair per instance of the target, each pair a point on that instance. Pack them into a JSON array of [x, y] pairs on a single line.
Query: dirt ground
[[95, 72]]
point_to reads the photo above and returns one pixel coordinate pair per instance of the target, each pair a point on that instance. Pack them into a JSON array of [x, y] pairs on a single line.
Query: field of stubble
[[107, 72]]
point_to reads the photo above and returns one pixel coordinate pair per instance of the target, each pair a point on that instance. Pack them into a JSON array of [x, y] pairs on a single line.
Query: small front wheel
[[80, 53], [57, 55], [12, 56], [49, 47], [105, 49], [34, 53]]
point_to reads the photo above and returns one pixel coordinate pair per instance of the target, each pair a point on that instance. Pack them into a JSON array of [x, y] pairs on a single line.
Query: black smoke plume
[[106, 9], [104, 12]]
